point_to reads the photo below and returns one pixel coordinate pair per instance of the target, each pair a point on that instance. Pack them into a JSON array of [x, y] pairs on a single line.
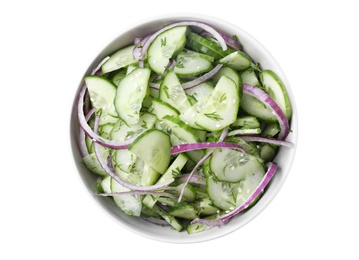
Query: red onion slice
[[268, 101], [203, 78], [272, 168], [263, 139], [82, 136], [201, 25]]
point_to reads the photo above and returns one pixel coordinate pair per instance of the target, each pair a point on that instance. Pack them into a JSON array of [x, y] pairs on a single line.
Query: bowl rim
[[276, 183]]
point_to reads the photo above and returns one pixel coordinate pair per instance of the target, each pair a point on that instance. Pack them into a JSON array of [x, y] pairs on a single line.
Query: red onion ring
[[82, 135], [263, 139], [268, 101]]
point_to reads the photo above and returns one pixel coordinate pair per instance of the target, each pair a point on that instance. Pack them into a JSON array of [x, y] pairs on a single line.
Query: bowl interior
[[284, 158]]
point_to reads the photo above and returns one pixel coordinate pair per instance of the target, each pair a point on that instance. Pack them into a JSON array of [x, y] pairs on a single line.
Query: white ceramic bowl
[[284, 158]]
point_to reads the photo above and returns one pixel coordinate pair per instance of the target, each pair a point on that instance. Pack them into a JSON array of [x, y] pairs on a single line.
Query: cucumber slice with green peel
[[271, 129], [162, 109], [231, 73], [91, 162], [249, 131], [133, 177], [204, 56], [172, 171], [130, 94], [205, 46], [169, 218], [198, 227], [149, 176], [237, 60], [222, 108], [190, 65], [252, 106], [118, 76], [233, 166], [206, 208], [249, 76], [172, 92], [169, 202], [154, 148], [124, 159], [185, 211], [189, 194], [119, 59], [131, 68], [227, 196], [165, 46], [106, 184], [130, 204], [102, 93], [190, 116], [268, 152], [276, 90], [246, 122]]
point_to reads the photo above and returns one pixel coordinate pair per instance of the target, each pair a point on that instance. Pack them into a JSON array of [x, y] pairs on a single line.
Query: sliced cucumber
[[190, 65], [254, 107], [119, 59], [227, 196], [198, 227], [125, 159], [165, 46], [185, 211], [161, 109], [172, 92], [246, 122], [169, 218], [130, 94], [190, 116], [229, 72], [102, 92], [149, 176], [205, 46], [222, 108], [237, 60], [206, 208], [276, 90], [233, 166], [154, 148], [106, 184], [249, 76], [171, 172], [130, 204], [91, 162]]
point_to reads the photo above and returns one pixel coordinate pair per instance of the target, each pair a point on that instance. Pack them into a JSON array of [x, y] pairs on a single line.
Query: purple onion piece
[[268, 101]]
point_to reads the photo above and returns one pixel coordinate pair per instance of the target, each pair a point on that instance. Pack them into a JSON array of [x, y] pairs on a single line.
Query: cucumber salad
[[182, 127]]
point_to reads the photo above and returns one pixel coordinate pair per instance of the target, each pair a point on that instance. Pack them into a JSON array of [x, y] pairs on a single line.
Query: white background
[[45, 211]]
